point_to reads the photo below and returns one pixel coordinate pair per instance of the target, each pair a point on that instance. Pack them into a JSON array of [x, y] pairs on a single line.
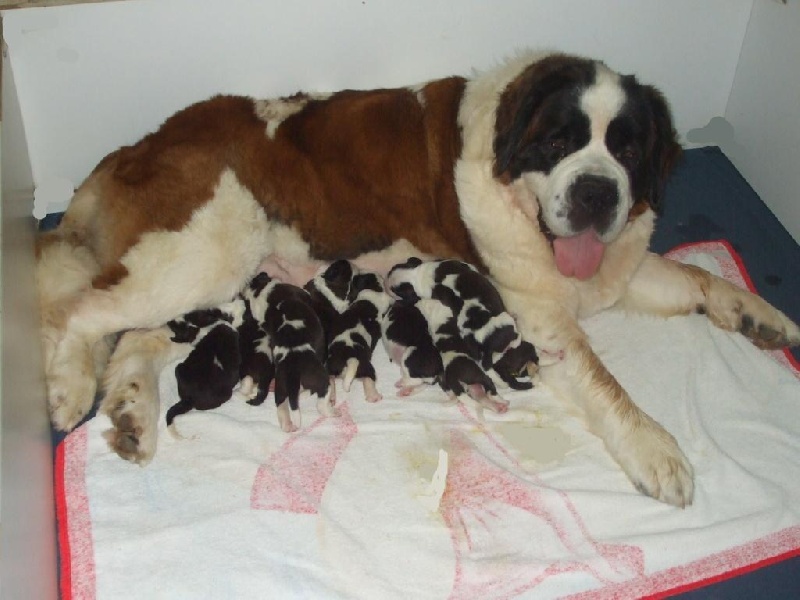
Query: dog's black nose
[[593, 202]]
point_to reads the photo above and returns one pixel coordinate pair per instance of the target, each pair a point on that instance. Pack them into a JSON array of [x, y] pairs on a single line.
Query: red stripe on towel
[[64, 551], [76, 547], [294, 478], [770, 549]]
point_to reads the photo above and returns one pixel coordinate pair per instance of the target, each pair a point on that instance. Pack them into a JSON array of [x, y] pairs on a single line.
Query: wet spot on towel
[[422, 461], [543, 445], [773, 279], [699, 226]]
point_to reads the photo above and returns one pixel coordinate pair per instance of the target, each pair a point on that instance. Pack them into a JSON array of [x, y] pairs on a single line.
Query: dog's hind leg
[[287, 391], [64, 271], [164, 275], [131, 390]]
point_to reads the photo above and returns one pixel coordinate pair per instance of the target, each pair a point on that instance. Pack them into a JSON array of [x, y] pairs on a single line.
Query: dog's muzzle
[[593, 202]]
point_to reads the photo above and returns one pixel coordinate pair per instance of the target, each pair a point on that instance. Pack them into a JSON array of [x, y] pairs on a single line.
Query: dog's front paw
[[734, 309], [132, 406], [655, 464]]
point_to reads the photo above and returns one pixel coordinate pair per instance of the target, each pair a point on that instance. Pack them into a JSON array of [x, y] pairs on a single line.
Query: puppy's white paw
[[655, 464], [371, 393], [326, 408], [285, 418]]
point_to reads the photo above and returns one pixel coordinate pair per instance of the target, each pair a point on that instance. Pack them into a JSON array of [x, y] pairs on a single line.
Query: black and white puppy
[[481, 316], [257, 369], [462, 376], [329, 290], [298, 347], [207, 376], [356, 332], [409, 344]]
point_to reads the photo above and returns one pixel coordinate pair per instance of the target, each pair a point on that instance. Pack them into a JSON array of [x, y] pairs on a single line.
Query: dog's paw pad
[[125, 443], [671, 482], [656, 465], [768, 336]]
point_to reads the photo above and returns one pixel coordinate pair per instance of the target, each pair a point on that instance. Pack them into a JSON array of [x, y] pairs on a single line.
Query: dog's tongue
[[579, 256]]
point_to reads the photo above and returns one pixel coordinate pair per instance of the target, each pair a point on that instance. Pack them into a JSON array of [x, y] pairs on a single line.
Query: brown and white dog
[[544, 171]]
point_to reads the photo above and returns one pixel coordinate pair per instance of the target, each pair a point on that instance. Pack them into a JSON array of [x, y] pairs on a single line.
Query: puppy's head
[[591, 147], [337, 277], [332, 284], [363, 282], [411, 280]]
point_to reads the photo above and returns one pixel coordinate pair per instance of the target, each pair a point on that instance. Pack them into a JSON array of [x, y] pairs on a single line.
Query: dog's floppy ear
[[664, 148], [521, 102], [514, 113]]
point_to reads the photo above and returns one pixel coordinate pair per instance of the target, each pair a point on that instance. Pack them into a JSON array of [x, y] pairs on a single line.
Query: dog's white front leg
[[665, 287], [647, 453]]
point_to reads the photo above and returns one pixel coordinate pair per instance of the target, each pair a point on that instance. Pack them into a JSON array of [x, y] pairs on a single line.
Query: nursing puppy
[[257, 369], [480, 314], [329, 290], [409, 344], [207, 376], [298, 347], [545, 171], [462, 376], [356, 332]]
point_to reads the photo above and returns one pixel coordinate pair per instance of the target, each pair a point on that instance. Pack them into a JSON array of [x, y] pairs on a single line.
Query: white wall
[[93, 77], [764, 109]]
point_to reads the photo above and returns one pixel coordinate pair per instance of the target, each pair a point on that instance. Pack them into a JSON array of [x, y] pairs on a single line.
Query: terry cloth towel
[[417, 498]]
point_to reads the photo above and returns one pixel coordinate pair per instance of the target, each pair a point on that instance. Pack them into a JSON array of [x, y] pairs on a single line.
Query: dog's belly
[[292, 261]]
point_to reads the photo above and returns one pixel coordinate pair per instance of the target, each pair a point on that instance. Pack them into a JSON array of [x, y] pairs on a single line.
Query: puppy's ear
[[405, 293], [366, 281], [340, 271], [259, 282], [411, 263], [664, 149]]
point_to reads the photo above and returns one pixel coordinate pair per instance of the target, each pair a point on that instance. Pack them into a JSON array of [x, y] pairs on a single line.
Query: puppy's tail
[[350, 370]]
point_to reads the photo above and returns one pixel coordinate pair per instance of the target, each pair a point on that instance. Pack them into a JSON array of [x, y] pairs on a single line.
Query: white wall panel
[[93, 77], [764, 109]]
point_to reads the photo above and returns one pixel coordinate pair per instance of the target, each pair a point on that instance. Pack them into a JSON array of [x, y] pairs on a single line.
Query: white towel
[[532, 506]]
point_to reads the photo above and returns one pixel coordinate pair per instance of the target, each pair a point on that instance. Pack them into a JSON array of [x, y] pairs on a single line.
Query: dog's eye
[[627, 156]]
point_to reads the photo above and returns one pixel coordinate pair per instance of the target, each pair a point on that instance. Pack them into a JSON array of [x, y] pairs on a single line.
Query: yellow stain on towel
[[543, 445]]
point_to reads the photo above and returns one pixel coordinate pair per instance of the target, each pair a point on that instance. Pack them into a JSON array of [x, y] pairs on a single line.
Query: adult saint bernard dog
[[545, 172]]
